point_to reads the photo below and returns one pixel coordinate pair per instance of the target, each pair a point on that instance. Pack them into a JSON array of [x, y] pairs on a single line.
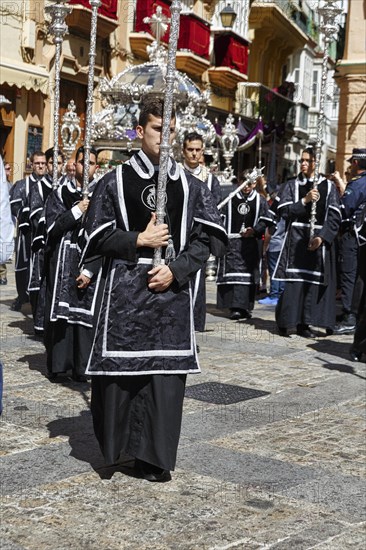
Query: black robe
[[19, 194], [199, 289], [238, 272], [68, 311], [144, 344], [309, 295]]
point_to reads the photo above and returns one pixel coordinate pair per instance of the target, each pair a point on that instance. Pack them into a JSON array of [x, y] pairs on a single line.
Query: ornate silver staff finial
[[167, 115], [70, 130], [57, 29], [252, 177], [89, 101], [329, 12], [158, 25], [229, 142]]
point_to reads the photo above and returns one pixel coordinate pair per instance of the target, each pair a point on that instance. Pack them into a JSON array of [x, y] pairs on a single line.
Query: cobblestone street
[[280, 465]]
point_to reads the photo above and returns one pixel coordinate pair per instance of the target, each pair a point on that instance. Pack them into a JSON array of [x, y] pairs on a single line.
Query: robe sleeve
[[194, 258], [332, 222]]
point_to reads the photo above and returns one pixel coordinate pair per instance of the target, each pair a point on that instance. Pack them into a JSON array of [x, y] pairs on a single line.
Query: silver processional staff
[[167, 115]]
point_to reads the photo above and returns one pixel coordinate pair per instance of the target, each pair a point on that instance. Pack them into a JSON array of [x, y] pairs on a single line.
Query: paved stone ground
[[282, 471]]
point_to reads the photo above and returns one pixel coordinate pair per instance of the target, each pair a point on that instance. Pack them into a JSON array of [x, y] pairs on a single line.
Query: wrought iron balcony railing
[[255, 99]]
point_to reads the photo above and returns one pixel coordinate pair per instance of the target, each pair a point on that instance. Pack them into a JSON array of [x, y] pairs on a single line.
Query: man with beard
[[144, 344], [307, 266], [246, 218]]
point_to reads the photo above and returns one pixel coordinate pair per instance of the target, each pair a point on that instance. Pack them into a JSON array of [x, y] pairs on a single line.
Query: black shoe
[[235, 315], [16, 305], [347, 326], [355, 355], [152, 473], [282, 332], [51, 376], [3, 281], [305, 331]]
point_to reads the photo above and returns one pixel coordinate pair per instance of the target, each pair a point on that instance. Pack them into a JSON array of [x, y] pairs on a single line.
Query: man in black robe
[[192, 161], [36, 201], [144, 344], [246, 218], [69, 309], [19, 195], [308, 267]]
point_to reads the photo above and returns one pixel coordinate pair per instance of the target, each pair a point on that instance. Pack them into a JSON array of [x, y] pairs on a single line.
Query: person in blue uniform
[[354, 209]]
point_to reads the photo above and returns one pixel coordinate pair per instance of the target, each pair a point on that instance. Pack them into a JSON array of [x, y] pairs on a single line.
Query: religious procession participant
[[145, 344], [193, 153], [20, 210], [246, 219], [68, 313], [308, 268], [35, 206]]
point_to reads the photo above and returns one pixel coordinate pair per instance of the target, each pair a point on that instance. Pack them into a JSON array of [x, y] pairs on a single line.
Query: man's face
[[79, 167], [151, 137], [192, 153], [70, 168], [39, 165], [307, 165], [7, 169], [59, 166]]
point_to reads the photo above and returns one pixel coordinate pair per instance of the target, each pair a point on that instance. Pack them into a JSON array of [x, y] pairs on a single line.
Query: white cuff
[[303, 201], [87, 273], [76, 212]]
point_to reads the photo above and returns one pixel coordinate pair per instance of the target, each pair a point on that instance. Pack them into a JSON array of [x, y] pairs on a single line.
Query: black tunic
[[19, 194], [309, 295], [238, 271], [68, 311], [144, 343]]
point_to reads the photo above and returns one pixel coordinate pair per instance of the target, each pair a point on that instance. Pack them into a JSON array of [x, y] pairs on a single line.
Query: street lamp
[[228, 16]]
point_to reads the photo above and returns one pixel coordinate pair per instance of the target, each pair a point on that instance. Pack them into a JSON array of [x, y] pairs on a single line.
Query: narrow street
[[272, 453]]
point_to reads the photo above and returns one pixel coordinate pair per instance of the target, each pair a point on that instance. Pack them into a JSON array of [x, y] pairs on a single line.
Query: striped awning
[[24, 75]]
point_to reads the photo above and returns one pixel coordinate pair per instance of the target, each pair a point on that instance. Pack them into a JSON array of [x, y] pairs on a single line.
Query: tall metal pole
[[260, 149], [89, 101], [58, 29], [167, 115], [328, 12]]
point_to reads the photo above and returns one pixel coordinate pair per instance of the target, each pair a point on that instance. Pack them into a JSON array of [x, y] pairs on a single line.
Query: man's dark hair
[[49, 154], [361, 163], [310, 151], [192, 136], [151, 106], [81, 151], [37, 154]]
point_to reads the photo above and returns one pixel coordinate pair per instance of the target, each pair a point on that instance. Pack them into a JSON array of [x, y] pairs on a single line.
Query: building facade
[[264, 63]]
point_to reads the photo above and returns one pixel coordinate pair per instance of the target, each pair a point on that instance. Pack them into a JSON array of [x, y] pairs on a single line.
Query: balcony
[[193, 45], [231, 61], [256, 100], [79, 19], [280, 18]]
